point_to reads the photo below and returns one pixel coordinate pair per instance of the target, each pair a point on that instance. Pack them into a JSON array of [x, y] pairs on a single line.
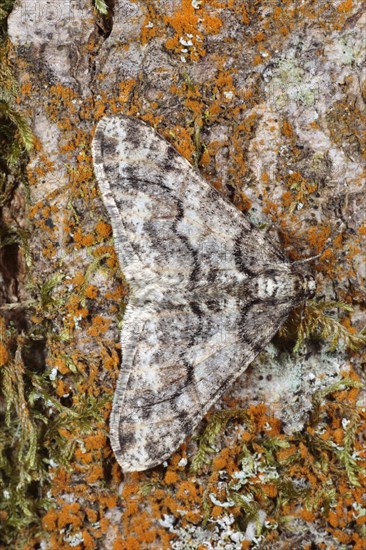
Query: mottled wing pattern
[[200, 307], [169, 224], [176, 366]]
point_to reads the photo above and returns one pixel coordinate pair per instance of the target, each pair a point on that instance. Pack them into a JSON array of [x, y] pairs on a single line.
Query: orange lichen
[[49, 520], [91, 514], [60, 364], [150, 27], [211, 23], [188, 492], [224, 461], [88, 540], [83, 239], [109, 358], [91, 292], [185, 24], [4, 356], [103, 229], [69, 515], [270, 490], [284, 454], [287, 129], [85, 458], [171, 477], [26, 88], [96, 441], [99, 326], [190, 26], [183, 142], [307, 515], [345, 6], [245, 204], [95, 472], [62, 389], [317, 237]]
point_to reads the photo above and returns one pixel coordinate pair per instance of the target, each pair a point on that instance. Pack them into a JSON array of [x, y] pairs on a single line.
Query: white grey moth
[[208, 290]]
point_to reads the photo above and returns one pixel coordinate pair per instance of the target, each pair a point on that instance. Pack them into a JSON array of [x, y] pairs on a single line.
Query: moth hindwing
[[209, 291]]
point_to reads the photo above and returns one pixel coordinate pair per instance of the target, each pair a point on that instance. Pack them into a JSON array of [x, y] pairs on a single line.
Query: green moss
[[314, 321], [34, 435], [101, 6], [216, 425]]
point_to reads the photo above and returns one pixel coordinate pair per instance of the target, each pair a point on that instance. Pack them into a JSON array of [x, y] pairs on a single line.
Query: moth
[[208, 290]]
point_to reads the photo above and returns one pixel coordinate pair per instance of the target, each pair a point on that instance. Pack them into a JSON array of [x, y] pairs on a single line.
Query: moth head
[[308, 285]]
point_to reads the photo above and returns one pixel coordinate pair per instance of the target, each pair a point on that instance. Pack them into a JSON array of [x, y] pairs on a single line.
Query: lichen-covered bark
[[267, 101]]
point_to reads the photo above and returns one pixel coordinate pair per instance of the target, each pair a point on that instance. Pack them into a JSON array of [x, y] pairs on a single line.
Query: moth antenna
[[304, 260]]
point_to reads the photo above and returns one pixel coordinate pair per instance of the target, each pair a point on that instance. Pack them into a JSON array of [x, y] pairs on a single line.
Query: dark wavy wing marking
[[168, 222], [179, 365], [186, 251]]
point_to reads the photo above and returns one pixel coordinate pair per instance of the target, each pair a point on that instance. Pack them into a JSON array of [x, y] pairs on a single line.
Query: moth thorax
[[280, 285], [309, 285]]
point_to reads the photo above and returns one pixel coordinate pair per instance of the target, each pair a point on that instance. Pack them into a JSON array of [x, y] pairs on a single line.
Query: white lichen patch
[[287, 382]]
